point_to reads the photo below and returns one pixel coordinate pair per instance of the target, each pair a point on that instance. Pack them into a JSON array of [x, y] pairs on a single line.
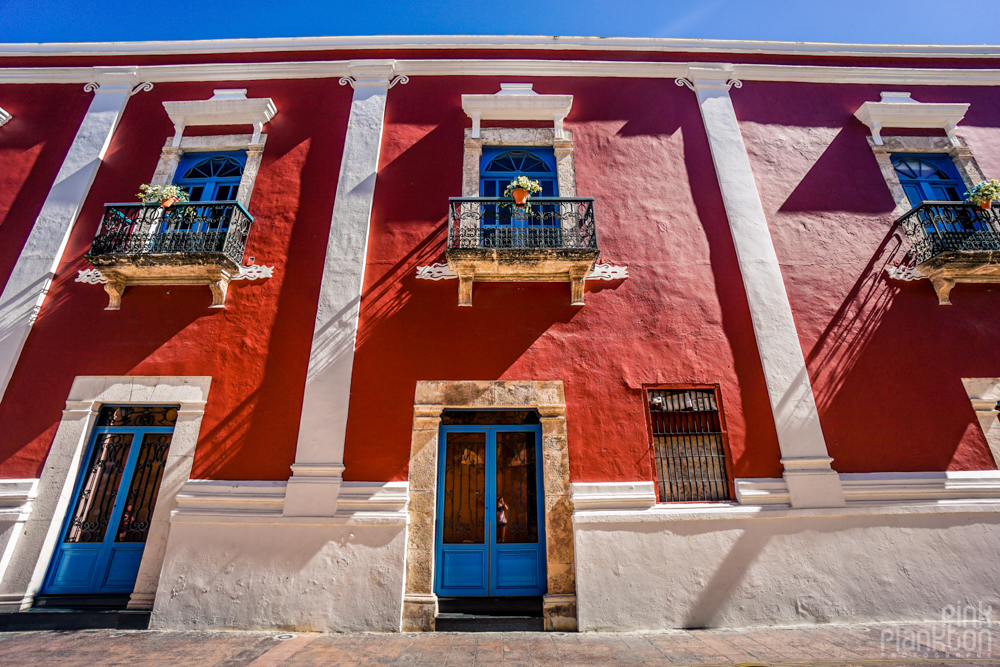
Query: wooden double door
[[490, 538]]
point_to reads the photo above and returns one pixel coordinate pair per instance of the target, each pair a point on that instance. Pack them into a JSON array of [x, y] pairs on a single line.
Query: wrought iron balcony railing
[[939, 227], [545, 223], [193, 228]]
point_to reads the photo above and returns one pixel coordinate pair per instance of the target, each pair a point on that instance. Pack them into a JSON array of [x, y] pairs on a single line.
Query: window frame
[[727, 452]]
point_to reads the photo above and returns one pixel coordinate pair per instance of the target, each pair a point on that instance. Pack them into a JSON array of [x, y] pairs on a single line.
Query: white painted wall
[[234, 561], [712, 565]]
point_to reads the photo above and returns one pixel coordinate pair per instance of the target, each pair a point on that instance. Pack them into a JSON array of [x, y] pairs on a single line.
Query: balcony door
[[490, 515], [498, 166], [928, 178], [207, 177], [104, 533]]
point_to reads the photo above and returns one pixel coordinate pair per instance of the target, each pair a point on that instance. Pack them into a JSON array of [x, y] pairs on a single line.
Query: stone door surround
[[430, 400]]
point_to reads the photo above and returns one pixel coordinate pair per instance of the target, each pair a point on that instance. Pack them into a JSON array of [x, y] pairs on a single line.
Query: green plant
[[984, 193], [149, 194], [532, 186]]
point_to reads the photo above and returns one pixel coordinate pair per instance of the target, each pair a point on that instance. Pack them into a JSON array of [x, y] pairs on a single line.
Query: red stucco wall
[[32, 147], [256, 348], [682, 316], [885, 359]]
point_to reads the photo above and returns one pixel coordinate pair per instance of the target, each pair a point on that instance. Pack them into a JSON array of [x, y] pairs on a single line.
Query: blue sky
[[885, 21]]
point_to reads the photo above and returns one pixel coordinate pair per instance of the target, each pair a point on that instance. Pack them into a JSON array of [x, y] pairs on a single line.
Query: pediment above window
[[225, 107], [517, 101], [900, 110]]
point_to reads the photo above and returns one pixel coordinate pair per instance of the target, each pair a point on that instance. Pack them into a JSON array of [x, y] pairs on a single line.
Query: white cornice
[[900, 110], [889, 76], [499, 42]]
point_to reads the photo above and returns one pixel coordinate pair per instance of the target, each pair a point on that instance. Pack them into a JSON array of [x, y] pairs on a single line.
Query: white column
[[32, 275], [319, 454], [807, 471]]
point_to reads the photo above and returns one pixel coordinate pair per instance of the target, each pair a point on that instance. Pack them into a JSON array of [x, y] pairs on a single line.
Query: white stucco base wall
[[234, 562], [729, 566]]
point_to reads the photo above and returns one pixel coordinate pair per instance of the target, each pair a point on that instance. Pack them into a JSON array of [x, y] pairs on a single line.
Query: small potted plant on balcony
[[166, 195], [984, 194], [521, 188]]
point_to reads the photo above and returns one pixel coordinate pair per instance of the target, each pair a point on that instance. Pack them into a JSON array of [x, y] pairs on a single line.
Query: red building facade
[[756, 385]]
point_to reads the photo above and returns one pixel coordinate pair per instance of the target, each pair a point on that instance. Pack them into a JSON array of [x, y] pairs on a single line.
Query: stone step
[[483, 623], [49, 619]]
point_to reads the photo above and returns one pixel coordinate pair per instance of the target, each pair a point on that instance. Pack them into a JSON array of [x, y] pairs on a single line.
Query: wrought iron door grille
[[938, 227], [688, 449]]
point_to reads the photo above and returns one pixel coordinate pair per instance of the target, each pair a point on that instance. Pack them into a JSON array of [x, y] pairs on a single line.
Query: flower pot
[[167, 202], [986, 205], [520, 196]]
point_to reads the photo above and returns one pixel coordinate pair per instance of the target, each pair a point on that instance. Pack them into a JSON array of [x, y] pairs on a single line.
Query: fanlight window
[[219, 166], [920, 169], [517, 161]]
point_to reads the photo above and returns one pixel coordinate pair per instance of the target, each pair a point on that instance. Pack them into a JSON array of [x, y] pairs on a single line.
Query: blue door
[[928, 178], [507, 226], [490, 529], [102, 540], [208, 177]]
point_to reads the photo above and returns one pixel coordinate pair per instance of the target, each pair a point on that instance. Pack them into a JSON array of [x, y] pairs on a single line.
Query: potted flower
[[984, 194], [166, 195], [521, 188]]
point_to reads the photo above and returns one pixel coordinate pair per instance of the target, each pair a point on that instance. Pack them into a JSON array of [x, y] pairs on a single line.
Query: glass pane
[[517, 489], [141, 498], [137, 415], [464, 520], [89, 521]]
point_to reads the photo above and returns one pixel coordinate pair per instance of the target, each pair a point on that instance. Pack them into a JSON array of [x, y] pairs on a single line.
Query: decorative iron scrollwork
[[555, 223]]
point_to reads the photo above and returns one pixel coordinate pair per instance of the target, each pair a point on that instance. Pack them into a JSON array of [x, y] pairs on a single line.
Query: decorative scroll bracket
[[600, 272]]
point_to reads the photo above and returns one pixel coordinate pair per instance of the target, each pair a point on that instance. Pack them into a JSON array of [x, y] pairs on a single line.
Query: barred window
[[688, 449]]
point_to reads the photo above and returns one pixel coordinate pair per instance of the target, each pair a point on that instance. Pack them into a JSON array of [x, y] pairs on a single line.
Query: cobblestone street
[[913, 644]]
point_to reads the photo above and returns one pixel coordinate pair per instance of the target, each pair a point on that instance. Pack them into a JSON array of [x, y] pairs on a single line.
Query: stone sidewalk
[[910, 644]]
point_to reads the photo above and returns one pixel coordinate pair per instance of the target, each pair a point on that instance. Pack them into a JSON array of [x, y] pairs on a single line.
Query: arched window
[[928, 178], [211, 176], [500, 164]]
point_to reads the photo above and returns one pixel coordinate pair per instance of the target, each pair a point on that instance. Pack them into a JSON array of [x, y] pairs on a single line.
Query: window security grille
[[688, 451]]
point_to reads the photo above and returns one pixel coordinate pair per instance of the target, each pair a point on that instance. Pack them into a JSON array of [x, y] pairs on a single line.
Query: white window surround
[[957, 150], [901, 110], [30, 556], [4, 117], [517, 101], [985, 394], [227, 106], [172, 154], [519, 136]]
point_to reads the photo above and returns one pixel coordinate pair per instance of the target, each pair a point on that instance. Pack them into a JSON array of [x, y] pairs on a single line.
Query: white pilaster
[[319, 455], [811, 480], [29, 281]]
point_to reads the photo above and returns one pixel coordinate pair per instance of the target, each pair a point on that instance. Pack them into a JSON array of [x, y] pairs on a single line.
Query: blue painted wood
[[108, 566], [490, 569], [928, 178], [208, 177], [499, 165]]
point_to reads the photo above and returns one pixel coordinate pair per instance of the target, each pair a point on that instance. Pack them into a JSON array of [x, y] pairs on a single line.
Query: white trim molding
[[897, 109], [30, 556], [227, 106], [984, 393], [4, 117], [16, 497], [517, 101], [29, 281], [500, 42], [319, 452], [811, 480]]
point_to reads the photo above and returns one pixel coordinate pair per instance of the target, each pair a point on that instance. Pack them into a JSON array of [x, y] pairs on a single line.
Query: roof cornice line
[[514, 68], [541, 42]]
